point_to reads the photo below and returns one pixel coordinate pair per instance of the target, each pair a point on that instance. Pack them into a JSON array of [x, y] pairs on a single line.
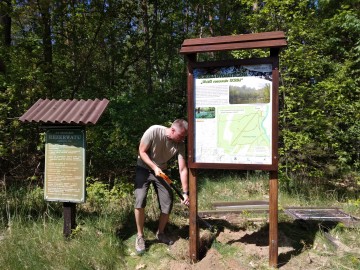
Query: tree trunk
[[44, 7], [144, 8], [5, 20]]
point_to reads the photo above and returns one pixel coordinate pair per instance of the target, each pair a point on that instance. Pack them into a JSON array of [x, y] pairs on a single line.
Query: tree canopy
[[128, 52]]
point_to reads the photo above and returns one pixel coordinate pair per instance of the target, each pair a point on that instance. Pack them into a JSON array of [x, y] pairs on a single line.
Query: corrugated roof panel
[[74, 111]]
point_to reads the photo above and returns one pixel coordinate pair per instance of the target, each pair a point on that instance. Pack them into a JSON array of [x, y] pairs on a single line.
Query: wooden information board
[[233, 119], [65, 165]]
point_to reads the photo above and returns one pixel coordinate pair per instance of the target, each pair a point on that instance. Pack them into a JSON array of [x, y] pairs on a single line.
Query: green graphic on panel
[[242, 133]]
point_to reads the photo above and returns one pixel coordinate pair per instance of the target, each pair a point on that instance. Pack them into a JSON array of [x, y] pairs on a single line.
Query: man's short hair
[[180, 124]]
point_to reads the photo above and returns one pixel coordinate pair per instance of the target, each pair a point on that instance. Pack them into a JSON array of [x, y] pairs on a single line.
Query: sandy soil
[[248, 250], [257, 249]]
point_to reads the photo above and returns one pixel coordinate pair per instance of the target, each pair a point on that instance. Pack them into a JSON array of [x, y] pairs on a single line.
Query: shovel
[[171, 184]]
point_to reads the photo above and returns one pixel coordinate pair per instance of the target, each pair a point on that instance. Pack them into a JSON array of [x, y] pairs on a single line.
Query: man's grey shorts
[[143, 179]]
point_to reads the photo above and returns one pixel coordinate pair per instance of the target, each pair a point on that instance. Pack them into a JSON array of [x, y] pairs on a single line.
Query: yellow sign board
[[65, 165]]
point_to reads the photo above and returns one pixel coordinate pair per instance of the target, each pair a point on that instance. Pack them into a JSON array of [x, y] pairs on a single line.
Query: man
[[157, 146]]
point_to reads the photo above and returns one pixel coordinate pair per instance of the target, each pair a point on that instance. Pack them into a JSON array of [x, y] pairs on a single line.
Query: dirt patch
[[180, 250], [212, 259], [246, 246]]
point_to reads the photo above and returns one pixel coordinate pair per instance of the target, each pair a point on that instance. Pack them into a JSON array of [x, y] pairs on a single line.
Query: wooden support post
[[69, 218], [193, 223], [273, 202], [273, 219]]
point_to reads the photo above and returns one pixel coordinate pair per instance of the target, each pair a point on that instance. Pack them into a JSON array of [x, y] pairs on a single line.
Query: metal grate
[[322, 214]]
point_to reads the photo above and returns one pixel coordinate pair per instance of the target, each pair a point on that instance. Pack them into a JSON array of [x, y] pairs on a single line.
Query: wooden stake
[[273, 219], [193, 224], [69, 218]]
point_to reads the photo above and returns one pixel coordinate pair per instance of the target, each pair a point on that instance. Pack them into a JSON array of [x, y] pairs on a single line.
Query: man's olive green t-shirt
[[161, 149]]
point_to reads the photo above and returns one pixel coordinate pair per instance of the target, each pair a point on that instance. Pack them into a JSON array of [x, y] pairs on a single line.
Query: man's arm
[[145, 157], [183, 170]]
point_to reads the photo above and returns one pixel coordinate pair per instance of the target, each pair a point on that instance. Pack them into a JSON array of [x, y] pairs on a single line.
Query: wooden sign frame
[[192, 163], [190, 48]]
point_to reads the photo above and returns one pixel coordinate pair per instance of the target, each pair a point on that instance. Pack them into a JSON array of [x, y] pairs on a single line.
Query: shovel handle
[[168, 180]]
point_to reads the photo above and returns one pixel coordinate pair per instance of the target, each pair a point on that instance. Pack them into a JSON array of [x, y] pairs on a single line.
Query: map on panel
[[233, 114]]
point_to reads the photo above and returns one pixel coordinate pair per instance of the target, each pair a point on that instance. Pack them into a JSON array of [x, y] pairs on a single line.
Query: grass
[[40, 245], [231, 188], [31, 229]]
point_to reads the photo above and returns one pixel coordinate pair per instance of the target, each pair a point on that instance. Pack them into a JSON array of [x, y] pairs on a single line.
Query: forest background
[[128, 52]]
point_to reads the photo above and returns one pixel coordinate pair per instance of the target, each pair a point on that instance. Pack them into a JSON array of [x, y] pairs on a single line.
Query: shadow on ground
[[298, 235]]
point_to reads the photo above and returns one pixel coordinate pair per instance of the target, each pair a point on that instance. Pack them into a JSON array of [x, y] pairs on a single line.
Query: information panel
[[233, 114], [65, 165]]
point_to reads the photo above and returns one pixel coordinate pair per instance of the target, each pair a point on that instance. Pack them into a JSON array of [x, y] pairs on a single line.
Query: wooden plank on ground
[[242, 205], [217, 213]]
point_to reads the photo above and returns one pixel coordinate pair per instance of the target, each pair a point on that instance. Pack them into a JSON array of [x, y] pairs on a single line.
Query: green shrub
[[100, 197]]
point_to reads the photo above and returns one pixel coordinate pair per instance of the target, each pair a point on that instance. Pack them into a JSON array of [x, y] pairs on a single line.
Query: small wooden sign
[[65, 165]]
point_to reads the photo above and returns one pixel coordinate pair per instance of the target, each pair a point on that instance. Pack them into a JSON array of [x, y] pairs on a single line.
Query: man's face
[[178, 135]]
